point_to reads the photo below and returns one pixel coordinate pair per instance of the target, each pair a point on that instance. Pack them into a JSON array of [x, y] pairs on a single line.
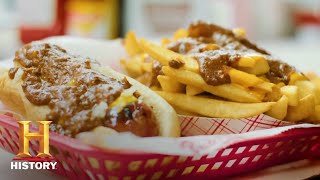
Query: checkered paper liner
[[192, 126], [209, 148]]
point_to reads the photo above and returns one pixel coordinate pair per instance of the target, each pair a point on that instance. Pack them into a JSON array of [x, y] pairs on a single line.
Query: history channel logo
[[24, 159]]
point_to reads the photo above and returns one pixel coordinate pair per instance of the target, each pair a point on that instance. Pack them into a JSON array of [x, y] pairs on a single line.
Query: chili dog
[[79, 95]]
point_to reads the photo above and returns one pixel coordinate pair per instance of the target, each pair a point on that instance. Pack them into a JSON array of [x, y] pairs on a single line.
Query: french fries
[[292, 94], [265, 86], [279, 110], [315, 116], [296, 77], [168, 84], [180, 33], [215, 108], [249, 92], [131, 45], [245, 79], [164, 56], [135, 69], [165, 42], [311, 75], [261, 66], [184, 112], [274, 95], [192, 91], [305, 88], [247, 62], [303, 110], [146, 66], [228, 91]]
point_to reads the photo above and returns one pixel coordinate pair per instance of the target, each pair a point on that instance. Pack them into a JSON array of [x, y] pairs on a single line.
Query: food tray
[[77, 160]]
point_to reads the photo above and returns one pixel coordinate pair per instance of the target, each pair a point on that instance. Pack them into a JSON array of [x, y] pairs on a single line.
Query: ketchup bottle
[[40, 19]]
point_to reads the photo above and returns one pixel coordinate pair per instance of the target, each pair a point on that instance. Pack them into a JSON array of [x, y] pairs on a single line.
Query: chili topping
[[214, 63], [175, 64]]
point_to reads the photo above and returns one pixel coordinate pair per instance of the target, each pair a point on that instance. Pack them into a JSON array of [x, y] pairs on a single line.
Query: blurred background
[[290, 28]]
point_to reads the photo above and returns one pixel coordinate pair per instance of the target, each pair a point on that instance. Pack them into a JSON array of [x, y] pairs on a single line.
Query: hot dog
[[79, 95]]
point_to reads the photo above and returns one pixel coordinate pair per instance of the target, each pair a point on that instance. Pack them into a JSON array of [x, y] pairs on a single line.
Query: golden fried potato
[[146, 66], [304, 109], [281, 84], [215, 108], [264, 78], [229, 91], [279, 110], [247, 61], [131, 45], [296, 77], [164, 56], [274, 95], [265, 86], [145, 79], [315, 116], [311, 75], [261, 66], [180, 33], [168, 84], [192, 91], [243, 78], [292, 93], [184, 112], [316, 82], [305, 88], [133, 66], [165, 42]]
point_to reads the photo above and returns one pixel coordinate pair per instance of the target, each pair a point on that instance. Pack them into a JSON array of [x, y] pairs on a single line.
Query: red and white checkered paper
[[192, 126]]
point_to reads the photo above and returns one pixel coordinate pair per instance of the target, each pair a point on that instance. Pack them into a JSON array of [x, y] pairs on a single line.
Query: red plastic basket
[[77, 160]]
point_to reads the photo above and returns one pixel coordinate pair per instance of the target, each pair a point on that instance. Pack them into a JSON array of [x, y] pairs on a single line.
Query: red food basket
[[77, 160]]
